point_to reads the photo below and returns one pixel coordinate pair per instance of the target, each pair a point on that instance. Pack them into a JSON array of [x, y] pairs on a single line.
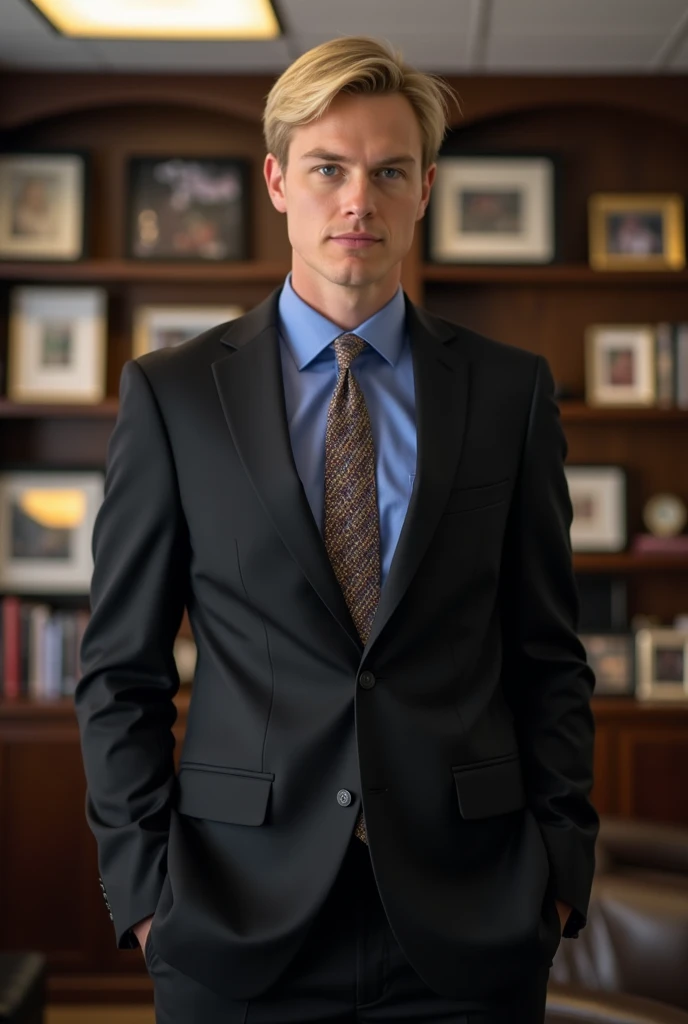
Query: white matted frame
[[662, 660], [620, 365], [42, 206], [57, 349], [527, 180], [46, 526], [598, 496], [157, 327]]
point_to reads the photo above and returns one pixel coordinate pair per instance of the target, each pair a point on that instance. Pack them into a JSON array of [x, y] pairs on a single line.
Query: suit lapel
[[250, 386]]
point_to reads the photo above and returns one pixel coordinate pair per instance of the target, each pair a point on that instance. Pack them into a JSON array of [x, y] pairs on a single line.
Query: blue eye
[[328, 167], [391, 170]]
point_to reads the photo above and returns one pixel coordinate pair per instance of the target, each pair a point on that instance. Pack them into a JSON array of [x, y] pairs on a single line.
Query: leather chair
[[22, 987], [642, 849], [635, 941], [568, 1005]]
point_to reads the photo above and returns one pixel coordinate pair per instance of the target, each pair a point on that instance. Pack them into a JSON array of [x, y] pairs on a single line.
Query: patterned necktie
[[351, 528]]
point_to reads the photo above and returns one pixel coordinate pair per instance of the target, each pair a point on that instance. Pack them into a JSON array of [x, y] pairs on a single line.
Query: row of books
[[671, 352], [39, 649]]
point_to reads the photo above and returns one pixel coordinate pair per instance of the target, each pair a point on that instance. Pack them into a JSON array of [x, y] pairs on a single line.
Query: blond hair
[[352, 64]]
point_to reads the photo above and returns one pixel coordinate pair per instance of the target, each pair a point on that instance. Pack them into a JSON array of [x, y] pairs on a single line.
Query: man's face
[[353, 189]]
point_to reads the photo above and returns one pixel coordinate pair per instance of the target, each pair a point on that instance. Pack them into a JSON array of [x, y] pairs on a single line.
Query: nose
[[357, 197]]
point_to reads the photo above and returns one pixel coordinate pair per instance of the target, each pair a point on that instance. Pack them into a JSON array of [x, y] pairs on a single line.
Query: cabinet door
[[653, 773]]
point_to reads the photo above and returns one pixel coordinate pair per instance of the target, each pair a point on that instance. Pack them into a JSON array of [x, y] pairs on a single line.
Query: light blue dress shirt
[[384, 372]]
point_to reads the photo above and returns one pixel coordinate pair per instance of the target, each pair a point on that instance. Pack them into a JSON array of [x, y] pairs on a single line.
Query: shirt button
[[367, 680], [344, 797]]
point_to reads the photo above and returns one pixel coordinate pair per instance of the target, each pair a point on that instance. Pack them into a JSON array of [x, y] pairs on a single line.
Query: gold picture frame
[[636, 231]]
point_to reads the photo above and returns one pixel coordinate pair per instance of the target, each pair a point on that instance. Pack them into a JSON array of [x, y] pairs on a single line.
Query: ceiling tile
[[374, 17], [228, 57], [437, 52], [557, 18], [572, 53], [21, 18], [46, 53]]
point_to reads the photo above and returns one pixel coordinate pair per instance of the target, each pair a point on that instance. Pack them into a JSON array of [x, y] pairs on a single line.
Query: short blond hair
[[353, 64]]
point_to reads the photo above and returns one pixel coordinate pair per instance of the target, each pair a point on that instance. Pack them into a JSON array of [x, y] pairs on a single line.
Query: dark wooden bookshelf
[[595, 124]]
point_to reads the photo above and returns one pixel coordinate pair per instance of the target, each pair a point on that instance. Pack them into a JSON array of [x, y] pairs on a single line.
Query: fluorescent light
[[162, 19]]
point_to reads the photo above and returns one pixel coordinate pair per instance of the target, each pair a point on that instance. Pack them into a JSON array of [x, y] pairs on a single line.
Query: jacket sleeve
[[124, 699], [547, 680]]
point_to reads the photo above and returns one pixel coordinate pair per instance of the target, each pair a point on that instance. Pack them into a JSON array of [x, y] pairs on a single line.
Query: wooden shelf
[[140, 271], [67, 410], [556, 273], [628, 561], [62, 708], [580, 412]]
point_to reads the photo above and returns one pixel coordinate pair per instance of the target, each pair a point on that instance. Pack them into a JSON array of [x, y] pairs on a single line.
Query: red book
[[648, 544], [11, 629]]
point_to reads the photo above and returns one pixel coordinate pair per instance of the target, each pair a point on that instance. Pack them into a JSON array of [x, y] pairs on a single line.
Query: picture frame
[[43, 202], [599, 498], [190, 208], [611, 656], [634, 231], [166, 326], [57, 345], [662, 660], [46, 525], [493, 208], [620, 365]]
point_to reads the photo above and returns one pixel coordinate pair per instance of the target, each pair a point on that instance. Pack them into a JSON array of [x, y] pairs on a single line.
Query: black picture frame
[[603, 651], [199, 186]]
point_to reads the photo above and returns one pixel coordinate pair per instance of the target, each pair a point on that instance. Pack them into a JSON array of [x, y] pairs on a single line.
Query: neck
[[345, 306]]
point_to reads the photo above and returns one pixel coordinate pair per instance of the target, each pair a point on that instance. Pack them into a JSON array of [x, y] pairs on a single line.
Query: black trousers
[[350, 970]]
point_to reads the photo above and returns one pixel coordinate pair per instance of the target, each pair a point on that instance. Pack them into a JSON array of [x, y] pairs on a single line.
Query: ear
[[428, 180], [274, 179]]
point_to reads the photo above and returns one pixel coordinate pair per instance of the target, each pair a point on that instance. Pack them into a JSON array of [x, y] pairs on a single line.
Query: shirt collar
[[307, 333]]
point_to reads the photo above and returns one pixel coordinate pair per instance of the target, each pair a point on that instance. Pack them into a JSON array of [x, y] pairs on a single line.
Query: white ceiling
[[447, 36]]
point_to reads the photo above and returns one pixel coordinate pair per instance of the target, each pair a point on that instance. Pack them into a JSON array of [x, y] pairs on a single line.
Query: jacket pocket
[[488, 788], [231, 795], [463, 499]]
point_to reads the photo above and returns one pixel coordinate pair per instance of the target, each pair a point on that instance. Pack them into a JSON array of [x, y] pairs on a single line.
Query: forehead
[[362, 125]]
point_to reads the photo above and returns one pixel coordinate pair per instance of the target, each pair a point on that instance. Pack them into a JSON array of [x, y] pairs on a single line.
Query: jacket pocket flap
[[462, 499], [488, 789], [222, 795]]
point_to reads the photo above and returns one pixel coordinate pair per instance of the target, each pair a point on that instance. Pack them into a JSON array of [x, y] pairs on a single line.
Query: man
[[381, 811]]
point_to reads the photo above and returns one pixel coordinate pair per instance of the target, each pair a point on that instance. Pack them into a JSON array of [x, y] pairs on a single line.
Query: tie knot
[[347, 347]]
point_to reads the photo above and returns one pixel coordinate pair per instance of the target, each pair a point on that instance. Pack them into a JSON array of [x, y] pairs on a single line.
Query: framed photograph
[[612, 658], [158, 327], [598, 496], [662, 659], [620, 365], [57, 345], [636, 232], [46, 523], [493, 209], [42, 206], [191, 208]]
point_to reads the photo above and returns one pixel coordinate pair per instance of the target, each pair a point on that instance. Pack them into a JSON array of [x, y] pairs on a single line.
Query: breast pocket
[[470, 499]]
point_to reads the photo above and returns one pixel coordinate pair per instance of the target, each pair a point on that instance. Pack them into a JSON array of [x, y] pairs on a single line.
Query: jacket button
[[367, 680], [344, 797]]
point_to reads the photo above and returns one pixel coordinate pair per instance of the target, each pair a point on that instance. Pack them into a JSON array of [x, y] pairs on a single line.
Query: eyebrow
[[321, 154]]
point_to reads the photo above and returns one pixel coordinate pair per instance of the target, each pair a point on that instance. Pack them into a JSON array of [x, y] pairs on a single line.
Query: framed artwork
[[46, 523], [620, 365], [57, 345], [157, 327], [629, 231], [493, 209], [612, 658], [191, 208], [42, 206], [662, 659], [598, 496]]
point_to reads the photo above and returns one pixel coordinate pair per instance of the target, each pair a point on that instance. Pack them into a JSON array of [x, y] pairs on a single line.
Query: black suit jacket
[[463, 727]]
